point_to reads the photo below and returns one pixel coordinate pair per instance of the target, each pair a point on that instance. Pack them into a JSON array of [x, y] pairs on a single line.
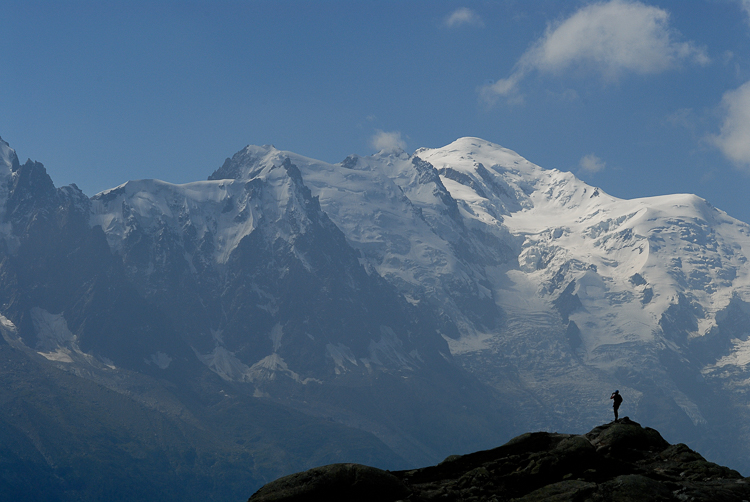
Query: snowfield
[[474, 220]]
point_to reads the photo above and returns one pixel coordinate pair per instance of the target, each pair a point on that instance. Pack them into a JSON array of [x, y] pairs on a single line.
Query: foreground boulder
[[619, 461]]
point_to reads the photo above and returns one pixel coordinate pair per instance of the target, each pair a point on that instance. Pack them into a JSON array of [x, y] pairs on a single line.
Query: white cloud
[[745, 5], [463, 16], [387, 141], [608, 38], [734, 139], [592, 164], [504, 87]]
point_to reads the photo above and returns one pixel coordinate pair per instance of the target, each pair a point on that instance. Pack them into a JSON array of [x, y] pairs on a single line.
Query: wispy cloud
[[463, 16], [387, 141], [592, 164], [734, 139], [745, 5], [608, 38], [684, 117]]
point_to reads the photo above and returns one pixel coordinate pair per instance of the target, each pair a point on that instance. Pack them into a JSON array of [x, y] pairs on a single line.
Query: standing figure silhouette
[[617, 402]]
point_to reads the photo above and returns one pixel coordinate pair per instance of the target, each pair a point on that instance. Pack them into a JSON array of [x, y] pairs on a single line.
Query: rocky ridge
[[615, 461]]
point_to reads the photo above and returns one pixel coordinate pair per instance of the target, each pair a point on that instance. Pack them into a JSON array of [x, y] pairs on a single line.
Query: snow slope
[[479, 221], [585, 283], [541, 285], [676, 244]]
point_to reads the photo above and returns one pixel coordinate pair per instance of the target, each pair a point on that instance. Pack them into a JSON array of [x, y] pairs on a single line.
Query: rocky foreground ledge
[[619, 461]]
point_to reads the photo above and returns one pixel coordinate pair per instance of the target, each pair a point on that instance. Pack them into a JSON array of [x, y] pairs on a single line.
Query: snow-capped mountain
[[571, 288], [438, 301], [645, 289]]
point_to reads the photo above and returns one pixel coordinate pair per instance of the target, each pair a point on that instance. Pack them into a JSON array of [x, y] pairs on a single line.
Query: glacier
[[542, 273]]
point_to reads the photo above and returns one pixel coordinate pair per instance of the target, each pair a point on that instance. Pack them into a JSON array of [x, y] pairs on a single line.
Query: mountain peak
[[475, 150], [252, 160], [8, 156], [245, 163]]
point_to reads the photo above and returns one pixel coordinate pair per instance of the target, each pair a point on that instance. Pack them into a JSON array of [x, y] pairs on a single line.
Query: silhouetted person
[[617, 402]]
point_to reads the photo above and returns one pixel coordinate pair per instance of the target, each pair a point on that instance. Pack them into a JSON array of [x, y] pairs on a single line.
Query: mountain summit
[[414, 304]]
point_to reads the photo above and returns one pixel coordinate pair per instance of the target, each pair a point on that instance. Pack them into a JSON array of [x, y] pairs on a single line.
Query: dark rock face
[[617, 461], [335, 482]]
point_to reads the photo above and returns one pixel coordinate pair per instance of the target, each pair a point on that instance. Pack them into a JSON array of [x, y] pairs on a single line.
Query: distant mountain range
[[200, 340]]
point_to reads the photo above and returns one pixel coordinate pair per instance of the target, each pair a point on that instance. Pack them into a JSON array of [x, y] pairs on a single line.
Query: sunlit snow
[[476, 218]]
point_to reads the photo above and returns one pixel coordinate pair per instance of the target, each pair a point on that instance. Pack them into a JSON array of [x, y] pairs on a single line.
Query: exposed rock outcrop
[[617, 461]]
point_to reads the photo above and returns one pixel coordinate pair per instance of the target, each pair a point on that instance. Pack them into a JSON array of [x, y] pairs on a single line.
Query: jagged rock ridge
[[616, 461]]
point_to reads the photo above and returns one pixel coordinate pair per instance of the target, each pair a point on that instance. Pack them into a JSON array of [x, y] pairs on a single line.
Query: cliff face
[[616, 461]]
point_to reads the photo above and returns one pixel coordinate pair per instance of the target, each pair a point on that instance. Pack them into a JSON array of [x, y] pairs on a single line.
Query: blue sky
[[638, 98]]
